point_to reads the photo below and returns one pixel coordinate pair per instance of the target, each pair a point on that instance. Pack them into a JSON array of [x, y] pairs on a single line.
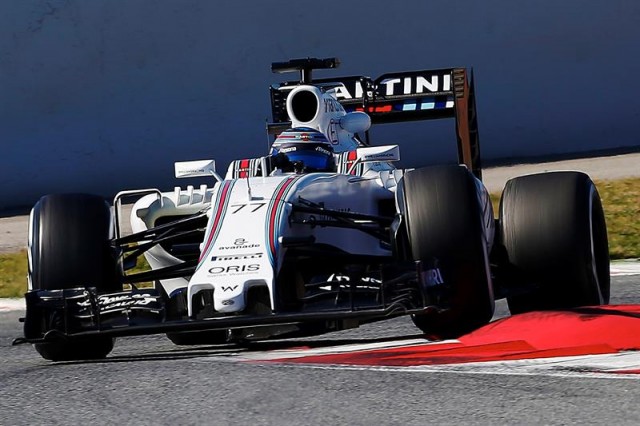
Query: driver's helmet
[[303, 150]]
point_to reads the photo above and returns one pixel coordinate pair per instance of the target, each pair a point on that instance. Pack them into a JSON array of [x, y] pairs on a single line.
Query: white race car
[[324, 233]]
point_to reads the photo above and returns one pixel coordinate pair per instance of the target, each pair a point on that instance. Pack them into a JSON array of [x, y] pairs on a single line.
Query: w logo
[[228, 287]]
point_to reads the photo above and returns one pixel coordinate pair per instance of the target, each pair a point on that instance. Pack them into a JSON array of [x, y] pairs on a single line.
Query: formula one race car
[[324, 233]]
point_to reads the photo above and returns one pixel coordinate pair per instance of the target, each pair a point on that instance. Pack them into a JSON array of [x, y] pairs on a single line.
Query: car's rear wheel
[[444, 223], [553, 230], [69, 247]]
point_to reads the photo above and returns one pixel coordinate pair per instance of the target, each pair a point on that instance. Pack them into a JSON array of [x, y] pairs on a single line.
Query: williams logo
[[228, 287]]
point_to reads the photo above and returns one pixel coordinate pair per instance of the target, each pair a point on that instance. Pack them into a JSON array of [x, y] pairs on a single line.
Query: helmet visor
[[312, 160]]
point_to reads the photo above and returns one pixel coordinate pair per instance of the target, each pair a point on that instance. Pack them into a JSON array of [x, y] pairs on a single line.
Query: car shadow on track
[[233, 350]]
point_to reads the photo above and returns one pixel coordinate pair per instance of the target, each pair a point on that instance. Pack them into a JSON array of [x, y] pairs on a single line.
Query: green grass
[[621, 203], [620, 199], [13, 274]]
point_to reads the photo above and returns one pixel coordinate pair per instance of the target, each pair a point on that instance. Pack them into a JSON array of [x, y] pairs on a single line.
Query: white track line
[[625, 267], [11, 305], [610, 366], [332, 350]]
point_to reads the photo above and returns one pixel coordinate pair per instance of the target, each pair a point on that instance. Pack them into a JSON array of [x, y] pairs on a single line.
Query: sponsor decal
[[232, 257], [378, 156], [234, 269], [228, 302], [332, 105], [415, 84], [394, 84], [324, 151], [432, 277], [346, 278], [122, 301], [342, 92], [239, 243], [246, 246]]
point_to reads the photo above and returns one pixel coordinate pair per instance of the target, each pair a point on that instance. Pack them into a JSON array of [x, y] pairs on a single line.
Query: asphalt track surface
[[147, 380]]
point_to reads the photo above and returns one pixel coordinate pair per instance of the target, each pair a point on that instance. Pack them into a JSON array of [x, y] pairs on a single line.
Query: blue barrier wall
[[102, 95]]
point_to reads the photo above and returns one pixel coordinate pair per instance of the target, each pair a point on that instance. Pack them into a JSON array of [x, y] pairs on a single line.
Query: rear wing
[[395, 97]]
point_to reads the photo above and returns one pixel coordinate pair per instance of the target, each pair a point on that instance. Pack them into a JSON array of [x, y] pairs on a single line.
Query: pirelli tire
[[553, 229], [69, 247], [444, 223]]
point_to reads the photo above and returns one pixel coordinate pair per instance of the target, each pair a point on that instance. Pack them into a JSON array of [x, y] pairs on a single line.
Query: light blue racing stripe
[[276, 209]]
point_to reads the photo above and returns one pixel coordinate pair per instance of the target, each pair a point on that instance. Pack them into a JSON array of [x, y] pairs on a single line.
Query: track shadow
[[579, 327], [234, 349]]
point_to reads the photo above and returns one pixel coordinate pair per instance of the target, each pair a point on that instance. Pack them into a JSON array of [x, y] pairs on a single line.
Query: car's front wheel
[[68, 248], [444, 223]]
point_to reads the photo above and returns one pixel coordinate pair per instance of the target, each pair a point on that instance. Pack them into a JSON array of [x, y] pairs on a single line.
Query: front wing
[[80, 312]]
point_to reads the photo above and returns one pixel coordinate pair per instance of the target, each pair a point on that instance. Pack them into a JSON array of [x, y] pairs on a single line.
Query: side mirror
[[198, 168], [355, 122]]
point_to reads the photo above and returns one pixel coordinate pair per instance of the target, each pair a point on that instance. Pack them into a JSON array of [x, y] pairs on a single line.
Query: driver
[[302, 150]]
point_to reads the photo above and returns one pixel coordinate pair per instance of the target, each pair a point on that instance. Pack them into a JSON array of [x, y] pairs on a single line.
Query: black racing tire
[[553, 229], [69, 246], [444, 221], [76, 350]]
